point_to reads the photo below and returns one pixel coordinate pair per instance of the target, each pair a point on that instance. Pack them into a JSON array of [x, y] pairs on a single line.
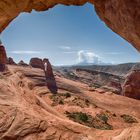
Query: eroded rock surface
[[36, 114], [122, 16], [131, 87]]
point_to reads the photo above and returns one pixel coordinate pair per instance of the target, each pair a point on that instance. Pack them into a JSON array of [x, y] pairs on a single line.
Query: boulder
[[131, 86], [36, 63]]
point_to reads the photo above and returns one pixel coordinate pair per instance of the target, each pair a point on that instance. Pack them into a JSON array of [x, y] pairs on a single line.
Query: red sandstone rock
[[10, 61], [50, 79], [3, 58], [49, 68], [28, 114], [36, 63], [22, 63], [131, 87], [116, 85]]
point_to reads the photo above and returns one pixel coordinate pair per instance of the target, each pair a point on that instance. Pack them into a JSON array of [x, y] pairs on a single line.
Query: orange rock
[[22, 63], [36, 63], [131, 87], [50, 79], [3, 58], [49, 71], [10, 61]]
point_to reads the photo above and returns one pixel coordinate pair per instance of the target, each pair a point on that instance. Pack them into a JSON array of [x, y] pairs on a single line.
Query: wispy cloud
[[88, 57], [25, 52], [114, 53], [70, 52], [65, 47]]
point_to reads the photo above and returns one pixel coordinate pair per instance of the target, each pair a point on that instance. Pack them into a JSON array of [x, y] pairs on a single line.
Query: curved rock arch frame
[[121, 16]]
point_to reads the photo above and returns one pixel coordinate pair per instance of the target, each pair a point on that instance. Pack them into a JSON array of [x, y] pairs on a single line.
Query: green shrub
[[128, 118], [78, 116], [103, 117], [99, 122], [61, 102], [67, 95]]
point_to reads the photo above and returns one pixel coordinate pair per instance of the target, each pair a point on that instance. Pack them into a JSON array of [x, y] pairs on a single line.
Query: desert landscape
[[30, 109], [39, 101]]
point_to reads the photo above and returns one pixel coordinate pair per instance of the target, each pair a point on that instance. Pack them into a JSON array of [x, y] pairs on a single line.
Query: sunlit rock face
[[122, 16], [131, 87]]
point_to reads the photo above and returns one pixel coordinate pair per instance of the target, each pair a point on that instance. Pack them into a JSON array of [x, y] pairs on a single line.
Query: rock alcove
[[27, 116]]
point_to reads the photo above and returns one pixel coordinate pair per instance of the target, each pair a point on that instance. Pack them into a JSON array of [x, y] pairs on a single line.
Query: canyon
[[31, 111]]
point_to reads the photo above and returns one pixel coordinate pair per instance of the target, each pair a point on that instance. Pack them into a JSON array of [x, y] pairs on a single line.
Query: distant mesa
[[136, 67], [89, 64], [22, 63], [10, 61]]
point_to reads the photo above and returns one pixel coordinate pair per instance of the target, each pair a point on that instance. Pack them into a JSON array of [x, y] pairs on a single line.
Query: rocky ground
[[30, 111]]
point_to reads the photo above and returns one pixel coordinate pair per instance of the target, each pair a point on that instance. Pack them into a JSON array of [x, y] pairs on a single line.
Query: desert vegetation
[[100, 121]]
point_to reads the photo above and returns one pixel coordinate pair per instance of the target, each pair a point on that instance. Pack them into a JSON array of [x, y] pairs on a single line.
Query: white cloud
[[65, 47], [25, 52], [88, 57]]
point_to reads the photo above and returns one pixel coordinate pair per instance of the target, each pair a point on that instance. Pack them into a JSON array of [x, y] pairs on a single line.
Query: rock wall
[[122, 16], [131, 87]]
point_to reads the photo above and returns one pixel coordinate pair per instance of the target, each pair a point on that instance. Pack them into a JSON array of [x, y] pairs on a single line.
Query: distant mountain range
[[119, 69], [89, 64]]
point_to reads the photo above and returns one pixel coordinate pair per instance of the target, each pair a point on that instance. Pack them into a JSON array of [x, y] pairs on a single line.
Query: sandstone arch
[[122, 16]]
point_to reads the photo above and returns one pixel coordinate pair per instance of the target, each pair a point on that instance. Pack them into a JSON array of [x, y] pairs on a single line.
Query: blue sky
[[66, 35]]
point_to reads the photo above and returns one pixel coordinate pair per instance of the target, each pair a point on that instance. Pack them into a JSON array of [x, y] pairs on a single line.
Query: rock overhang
[[121, 16]]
